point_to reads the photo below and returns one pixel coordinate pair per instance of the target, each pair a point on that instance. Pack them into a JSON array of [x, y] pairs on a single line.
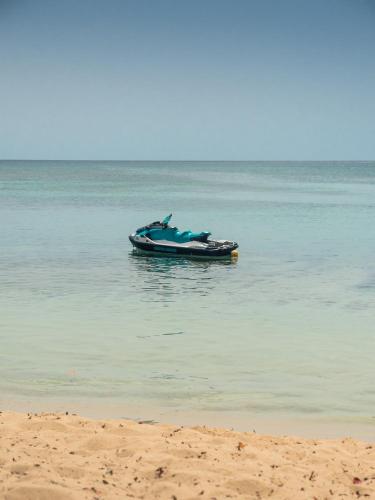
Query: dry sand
[[61, 457]]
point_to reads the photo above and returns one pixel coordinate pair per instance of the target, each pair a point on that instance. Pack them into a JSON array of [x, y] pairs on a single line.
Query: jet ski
[[162, 239]]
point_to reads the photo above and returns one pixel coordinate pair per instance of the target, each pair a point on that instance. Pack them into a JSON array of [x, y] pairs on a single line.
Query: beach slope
[[66, 457]]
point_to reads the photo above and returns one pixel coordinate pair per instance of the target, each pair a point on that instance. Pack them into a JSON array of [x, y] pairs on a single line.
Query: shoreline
[[277, 424], [68, 457]]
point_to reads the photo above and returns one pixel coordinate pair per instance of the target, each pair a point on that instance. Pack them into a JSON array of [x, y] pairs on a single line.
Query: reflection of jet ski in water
[[160, 238]]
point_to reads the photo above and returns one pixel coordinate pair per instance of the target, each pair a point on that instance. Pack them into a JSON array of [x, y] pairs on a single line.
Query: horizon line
[[185, 160]]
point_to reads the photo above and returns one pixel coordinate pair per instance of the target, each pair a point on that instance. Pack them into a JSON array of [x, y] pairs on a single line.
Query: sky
[[187, 79]]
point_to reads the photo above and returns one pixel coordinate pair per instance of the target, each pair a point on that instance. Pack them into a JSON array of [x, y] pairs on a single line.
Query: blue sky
[[192, 79]]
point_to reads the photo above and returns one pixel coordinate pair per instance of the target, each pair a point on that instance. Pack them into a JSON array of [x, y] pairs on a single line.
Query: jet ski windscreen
[[167, 219]]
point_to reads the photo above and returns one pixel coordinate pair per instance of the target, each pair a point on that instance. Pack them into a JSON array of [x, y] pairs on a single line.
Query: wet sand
[[59, 456]]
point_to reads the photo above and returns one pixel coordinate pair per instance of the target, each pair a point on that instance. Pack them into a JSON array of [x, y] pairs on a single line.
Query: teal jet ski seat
[[162, 231], [173, 234]]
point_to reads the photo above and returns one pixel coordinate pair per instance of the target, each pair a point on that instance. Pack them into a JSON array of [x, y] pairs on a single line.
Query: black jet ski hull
[[153, 248]]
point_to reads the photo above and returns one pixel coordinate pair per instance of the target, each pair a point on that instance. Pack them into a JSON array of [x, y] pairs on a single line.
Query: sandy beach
[[65, 457]]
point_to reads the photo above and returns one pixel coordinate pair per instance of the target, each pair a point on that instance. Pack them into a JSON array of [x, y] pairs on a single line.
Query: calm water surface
[[286, 330]]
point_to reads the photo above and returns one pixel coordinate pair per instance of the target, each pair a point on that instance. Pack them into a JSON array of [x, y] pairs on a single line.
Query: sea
[[286, 331]]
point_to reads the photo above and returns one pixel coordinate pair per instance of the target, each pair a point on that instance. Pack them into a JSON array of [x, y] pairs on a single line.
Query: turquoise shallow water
[[287, 330]]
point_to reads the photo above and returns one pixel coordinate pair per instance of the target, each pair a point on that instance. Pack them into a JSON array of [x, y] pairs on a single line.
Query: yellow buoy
[[234, 254]]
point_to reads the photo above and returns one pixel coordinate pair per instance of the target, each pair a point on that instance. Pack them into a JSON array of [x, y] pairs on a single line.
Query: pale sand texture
[[61, 457]]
